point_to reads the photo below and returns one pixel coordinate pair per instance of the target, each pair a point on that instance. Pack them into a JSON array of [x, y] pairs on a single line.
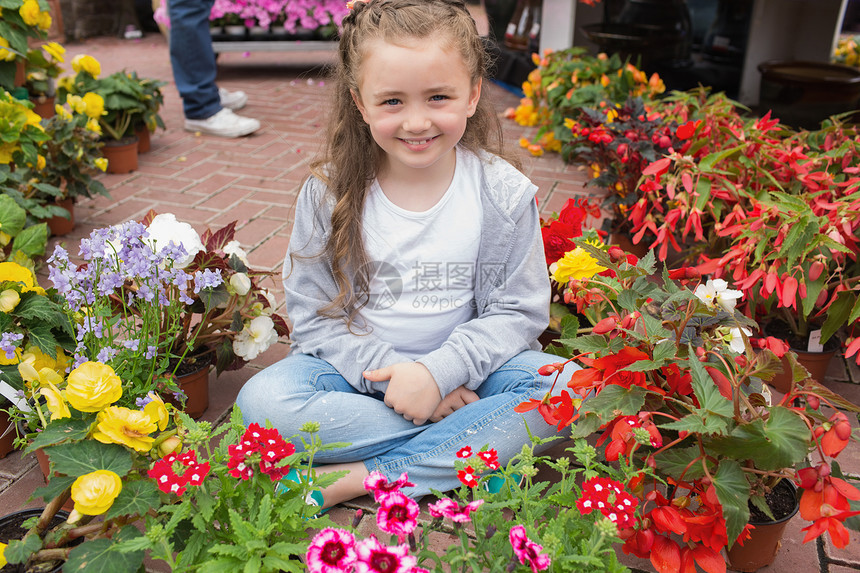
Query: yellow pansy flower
[[55, 50], [88, 64], [95, 105], [95, 492], [30, 12], [9, 299], [6, 55], [101, 163], [576, 264], [93, 386], [157, 411], [124, 426], [54, 400]]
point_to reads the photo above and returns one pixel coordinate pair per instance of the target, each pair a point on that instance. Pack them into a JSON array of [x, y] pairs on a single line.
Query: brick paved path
[[208, 181]]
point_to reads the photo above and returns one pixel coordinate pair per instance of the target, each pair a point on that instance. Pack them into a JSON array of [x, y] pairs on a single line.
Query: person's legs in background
[[194, 70]]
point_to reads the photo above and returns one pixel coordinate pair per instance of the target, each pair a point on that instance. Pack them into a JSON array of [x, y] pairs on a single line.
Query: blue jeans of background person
[[302, 388], [192, 57]]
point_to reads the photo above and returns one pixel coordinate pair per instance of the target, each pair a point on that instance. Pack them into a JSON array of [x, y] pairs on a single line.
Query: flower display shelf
[[272, 46]]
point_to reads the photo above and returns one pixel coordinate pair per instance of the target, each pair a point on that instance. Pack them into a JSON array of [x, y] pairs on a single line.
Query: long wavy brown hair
[[351, 158]]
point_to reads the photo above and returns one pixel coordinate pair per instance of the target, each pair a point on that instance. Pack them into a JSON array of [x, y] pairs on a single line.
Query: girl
[[415, 277]]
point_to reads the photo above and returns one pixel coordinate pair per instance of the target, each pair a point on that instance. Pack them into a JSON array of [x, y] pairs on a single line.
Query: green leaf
[[706, 390], [587, 424], [812, 291], [642, 366], [836, 314], [676, 462], [699, 422], [569, 326], [35, 307], [733, 491], [664, 351], [58, 432], [136, 497], [780, 442], [100, 556], [88, 456], [616, 401], [12, 216], [706, 164], [55, 487], [32, 240], [590, 343], [19, 550]]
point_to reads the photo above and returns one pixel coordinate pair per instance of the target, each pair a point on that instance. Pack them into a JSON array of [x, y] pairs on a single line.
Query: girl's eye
[[438, 98], [392, 101]]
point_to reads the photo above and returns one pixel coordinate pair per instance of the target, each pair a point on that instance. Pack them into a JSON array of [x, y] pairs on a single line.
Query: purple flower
[[207, 279], [142, 402], [8, 343], [105, 354], [151, 352], [132, 345]]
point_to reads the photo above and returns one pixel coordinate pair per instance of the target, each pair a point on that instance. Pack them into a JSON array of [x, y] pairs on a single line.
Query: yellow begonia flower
[[45, 20], [88, 64], [66, 83], [56, 51], [9, 299], [101, 163], [34, 119], [30, 12], [9, 361], [157, 411], [54, 400], [95, 492], [6, 55], [37, 378], [94, 125], [34, 355], [576, 264], [3, 555], [40, 162], [6, 151], [62, 112], [120, 425], [95, 105], [14, 272], [93, 386], [77, 103]]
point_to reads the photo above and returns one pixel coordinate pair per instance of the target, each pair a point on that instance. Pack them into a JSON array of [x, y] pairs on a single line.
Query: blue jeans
[[303, 388], [192, 57]]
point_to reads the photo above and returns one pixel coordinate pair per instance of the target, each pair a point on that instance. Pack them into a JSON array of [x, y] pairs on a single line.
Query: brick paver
[[210, 181]]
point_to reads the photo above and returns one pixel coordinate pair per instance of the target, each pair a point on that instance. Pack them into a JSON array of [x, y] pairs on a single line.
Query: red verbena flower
[[609, 498], [490, 458], [467, 476], [464, 452], [266, 447], [173, 473]]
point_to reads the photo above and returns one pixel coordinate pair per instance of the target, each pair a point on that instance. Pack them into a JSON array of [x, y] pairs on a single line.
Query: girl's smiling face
[[416, 97]]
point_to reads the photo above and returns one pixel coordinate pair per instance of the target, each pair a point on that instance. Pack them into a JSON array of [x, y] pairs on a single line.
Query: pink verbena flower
[[527, 551], [609, 498], [398, 514], [379, 485], [454, 511], [374, 557], [331, 551]]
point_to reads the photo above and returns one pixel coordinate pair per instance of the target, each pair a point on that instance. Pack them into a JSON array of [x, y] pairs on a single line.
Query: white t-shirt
[[422, 283]]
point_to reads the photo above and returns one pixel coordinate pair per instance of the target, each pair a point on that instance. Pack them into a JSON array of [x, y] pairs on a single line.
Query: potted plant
[[776, 207], [123, 96], [71, 158], [672, 380], [22, 20], [190, 301], [152, 99], [41, 70]]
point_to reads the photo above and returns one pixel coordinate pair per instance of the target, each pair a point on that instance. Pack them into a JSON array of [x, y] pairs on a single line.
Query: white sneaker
[[232, 100], [225, 123]]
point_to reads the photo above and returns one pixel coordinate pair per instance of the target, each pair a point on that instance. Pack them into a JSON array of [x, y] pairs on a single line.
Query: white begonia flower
[[233, 248], [241, 283], [736, 339], [717, 292], [165, 229], [255, 338]]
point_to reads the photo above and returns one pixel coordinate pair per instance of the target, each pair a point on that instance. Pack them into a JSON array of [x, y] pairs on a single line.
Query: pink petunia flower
[[379, 485], [374, 557], [527, 551], [454, 511], [331, 551], [398, 514]]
